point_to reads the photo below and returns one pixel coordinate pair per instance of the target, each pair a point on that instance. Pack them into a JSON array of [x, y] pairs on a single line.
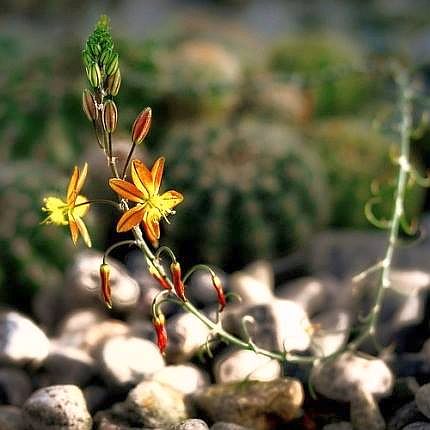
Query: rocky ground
[[75, 365]]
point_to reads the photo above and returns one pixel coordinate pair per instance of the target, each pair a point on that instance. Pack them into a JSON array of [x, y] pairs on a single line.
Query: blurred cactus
[[330, 65], [357, 156], [251, 190], [34, 256]]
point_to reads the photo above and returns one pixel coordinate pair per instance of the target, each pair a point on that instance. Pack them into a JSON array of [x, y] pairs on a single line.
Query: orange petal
[[82, 177], [84, 232], [71, 189], [171, 198], [74, 230], [130, 219], [157, 173], [127, 190], [142, 178], [151, 227]]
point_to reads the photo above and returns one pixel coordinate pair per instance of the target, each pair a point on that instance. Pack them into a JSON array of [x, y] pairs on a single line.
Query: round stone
[[422, 399]]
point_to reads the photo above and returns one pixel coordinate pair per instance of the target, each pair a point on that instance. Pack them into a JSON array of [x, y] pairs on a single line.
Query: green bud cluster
[[100, 58]]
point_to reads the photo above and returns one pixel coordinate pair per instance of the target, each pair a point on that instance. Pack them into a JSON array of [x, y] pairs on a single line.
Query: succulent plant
[[355, 156], [34, 255], [330, 65], [251, 189]]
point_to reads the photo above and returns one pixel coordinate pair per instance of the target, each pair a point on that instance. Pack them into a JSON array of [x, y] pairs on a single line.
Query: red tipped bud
[[160, 279], [105, 284], [141, 126], [110, 116], [89, 105], [216, 282], [159, 324], [179, 286]]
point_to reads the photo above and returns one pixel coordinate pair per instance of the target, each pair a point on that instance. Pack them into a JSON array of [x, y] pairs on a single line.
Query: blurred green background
[[275, 118]]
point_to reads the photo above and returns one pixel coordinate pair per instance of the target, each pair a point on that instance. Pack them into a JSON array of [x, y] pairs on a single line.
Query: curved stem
[[130, 154], [99, 201], [117, 245]]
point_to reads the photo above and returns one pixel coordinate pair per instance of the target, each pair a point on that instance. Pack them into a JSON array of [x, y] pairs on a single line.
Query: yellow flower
[[151, 206], [72, 210]]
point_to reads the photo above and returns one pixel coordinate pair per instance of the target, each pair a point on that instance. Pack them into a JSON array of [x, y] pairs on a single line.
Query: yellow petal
[[170, 199], [84, 232], [127, 190], [57, 209], [157, 174], [142, 178], [80, 211], [130, 219]]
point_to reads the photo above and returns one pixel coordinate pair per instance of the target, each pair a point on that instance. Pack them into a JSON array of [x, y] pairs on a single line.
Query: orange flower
[[151, 206], [73, 209]]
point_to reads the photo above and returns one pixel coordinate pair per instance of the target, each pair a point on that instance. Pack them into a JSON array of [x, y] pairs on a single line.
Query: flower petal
[[84, 232], [127, 190], [157, 173], [80, 209], [151, 227], [71, 189], [130, 218], [74, 230], [171, 198], [82, 177], [142, 178]]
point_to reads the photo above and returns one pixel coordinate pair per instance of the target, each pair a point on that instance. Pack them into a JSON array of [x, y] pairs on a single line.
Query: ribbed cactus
[[330, 65], [32, 255], [251, 189], [355, 156]]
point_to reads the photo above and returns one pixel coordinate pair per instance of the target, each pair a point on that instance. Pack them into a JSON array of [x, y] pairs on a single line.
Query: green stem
[[130, 154], [99, 201], [117, 245]]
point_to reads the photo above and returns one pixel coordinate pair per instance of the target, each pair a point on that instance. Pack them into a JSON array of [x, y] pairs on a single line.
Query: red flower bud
[[159, 324], [141, 126], [160, 279], [105, 284], [110, 116], [179, 286], [89, 105], [216, 282]]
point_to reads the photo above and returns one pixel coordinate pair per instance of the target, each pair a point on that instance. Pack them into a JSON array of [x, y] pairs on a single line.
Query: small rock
[[83, 281], [187, 335], [96, 397], [153, 404], [21, 341], [312, 294], [220, 425], [252, 291], [407, 414], [331, 331], [185, 378], [261, 271], [69, 365], [422, 398], [79, 321], [339, 379], [99, 333], [365, 413], [125, 361], [342, 425], [15, 386], [57, 407], [191, 424], [11, 418], [278, 325], [240, 365], [422, 425], [255, 404]]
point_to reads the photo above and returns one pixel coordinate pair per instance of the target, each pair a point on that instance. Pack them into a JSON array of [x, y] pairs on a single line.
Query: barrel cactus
[[330, 65], [34, 255], [355, 156], [251, 189]]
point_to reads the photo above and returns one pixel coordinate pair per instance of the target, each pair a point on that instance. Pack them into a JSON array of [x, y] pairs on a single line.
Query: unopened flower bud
[[216, 282], [94, 75], [113, 64], [112, 83], [87, 58], [95, 49], [110, 116], [104, 58], [159, 324], [179, 286], [160, 279], [89, 105], [105, 284], [141, 126]]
